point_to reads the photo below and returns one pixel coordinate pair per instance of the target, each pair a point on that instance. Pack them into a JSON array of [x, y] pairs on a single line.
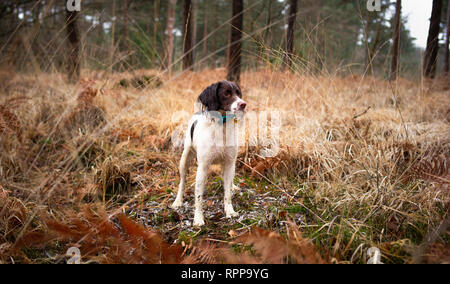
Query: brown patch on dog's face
[[229, 92], [221, 96]]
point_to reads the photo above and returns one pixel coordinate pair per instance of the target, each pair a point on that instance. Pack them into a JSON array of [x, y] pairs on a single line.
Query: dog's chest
[[217, 142]]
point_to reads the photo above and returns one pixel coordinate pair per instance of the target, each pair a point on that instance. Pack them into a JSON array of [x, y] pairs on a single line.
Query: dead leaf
[[232, 233]]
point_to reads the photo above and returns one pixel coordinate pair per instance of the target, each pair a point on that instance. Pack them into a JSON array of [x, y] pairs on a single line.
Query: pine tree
[[431, 52], [447, 37], [290, 34], [396, 41], [170, 24], [234, 65], [188, 54], [73, 64]]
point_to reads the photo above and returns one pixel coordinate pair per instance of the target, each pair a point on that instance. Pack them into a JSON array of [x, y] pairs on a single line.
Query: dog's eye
[[227, 93]]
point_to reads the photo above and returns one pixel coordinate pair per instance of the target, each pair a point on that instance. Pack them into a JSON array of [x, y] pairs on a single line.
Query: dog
[[222, 108]]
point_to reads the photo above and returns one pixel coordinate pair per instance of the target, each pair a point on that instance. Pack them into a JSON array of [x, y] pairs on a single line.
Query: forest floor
[[362, 163]]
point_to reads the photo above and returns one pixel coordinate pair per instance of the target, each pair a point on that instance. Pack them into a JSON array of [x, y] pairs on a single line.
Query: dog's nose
[[241, 105]]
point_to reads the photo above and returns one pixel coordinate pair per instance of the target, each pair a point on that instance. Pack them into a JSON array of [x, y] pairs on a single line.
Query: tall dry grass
[[365, 160]]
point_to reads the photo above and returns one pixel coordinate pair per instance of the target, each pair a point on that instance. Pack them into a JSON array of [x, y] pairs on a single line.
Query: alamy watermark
[[75, 255], [253, 129], [373, 5], [374, 256], [73, 5]]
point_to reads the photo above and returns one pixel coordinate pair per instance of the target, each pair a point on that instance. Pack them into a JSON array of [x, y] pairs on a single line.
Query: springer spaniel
[[212, 134]]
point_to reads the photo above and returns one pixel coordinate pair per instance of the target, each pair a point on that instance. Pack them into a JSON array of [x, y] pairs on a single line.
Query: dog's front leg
[[200, 181], [228, 176], [184, 164]]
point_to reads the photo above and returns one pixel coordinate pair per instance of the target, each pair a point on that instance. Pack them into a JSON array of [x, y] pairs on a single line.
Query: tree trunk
[[373, 45], [188, 55], [366, 43], [205, 31], [126, 32], [113, 32], [429, 62], [446, 61], [290, 34], [194, 28], [396, 41], [267, 32], [214, 39], [234, 66], [73, 64], [170, 24], [267, 36], [156, 7]]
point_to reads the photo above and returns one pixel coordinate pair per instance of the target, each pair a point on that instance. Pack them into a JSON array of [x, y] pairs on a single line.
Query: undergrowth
[[362, 163]]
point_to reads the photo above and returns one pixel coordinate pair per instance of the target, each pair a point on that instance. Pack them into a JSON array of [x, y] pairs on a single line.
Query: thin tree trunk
[[188, 55], [73, 64], [290, 34], [205, 31], [267, 32], [431, 52], [396, 41], [234, 66], [214, 39], [367, 47], [100, 27], [267, 35], [113, 31], [319, 50], [155, 27], [446, 61], [372, 47], [170, 24], [194, 29], [125, 25]]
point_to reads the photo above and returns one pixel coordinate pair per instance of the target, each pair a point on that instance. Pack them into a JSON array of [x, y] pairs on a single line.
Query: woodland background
[[88, 136], [330, 37]]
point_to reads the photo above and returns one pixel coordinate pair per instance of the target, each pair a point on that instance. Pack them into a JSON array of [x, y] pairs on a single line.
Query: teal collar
[[222, 118]]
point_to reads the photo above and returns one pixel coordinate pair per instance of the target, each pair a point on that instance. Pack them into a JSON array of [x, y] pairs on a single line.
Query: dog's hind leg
[[228, 176], [184, 165], [200, 182]]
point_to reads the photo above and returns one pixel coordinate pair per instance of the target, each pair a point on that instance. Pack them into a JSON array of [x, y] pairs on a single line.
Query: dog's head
[[223, 96]]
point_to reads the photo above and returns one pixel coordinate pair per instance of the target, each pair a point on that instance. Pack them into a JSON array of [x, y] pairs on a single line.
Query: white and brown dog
[[212, 135]]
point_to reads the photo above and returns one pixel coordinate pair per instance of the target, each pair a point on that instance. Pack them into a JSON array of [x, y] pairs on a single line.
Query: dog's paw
[[198, 221], [229, 213], [176, 205]]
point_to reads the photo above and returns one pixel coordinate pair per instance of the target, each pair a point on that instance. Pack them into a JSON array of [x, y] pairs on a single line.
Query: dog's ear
[[210, 98]]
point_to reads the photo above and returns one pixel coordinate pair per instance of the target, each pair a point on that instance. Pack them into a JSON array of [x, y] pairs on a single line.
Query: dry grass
[[362, 163]]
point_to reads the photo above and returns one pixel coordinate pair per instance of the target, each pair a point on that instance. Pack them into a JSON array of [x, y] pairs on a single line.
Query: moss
[[295, 209]]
